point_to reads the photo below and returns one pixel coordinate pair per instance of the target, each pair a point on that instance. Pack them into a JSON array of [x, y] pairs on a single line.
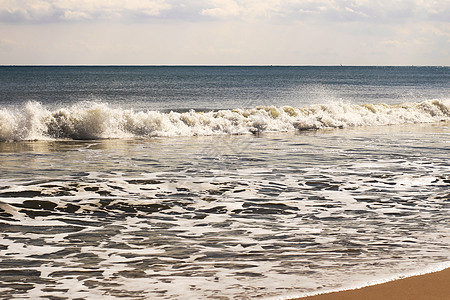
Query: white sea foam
[[101, 121], [166, 219], [432, 269]]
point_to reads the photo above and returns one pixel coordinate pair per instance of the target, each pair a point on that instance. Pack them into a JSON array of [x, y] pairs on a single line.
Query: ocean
[[220, 182]]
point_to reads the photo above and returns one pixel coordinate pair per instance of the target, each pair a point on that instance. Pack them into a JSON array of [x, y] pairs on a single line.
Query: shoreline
[[435, 285]]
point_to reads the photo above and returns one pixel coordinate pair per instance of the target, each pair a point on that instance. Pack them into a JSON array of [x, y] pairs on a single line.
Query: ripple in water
[[175, 218]]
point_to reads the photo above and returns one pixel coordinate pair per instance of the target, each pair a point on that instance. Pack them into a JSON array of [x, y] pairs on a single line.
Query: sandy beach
[[430, 286]]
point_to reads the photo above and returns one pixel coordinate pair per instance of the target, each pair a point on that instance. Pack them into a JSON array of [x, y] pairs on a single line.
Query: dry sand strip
[[424, 287]]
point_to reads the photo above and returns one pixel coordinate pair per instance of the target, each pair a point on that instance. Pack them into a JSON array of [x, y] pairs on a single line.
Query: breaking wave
[[100, 121]]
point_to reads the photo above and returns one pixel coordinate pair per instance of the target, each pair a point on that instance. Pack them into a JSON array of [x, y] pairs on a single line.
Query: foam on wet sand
[[429, 286]]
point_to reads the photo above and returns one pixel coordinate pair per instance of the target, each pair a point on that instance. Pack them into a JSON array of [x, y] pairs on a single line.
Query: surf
[[97, 120]]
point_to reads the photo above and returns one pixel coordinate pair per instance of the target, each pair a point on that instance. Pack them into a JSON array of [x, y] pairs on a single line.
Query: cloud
[[392, 11], [330, 10], [249, 9], [76, 10], [76, 15], [222, 9]]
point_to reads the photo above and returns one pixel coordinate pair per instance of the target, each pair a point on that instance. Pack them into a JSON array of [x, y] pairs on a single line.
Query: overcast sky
[[224, 32]]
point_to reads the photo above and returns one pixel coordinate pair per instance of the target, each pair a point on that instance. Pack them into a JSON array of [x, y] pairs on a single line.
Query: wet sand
[[430, 286]]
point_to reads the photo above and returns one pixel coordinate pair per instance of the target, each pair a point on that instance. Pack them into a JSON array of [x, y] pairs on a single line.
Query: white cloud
[[248, 9], [222, 9], [236, 32], [76, 15], [46, 11], [330, 10], [75, 10]]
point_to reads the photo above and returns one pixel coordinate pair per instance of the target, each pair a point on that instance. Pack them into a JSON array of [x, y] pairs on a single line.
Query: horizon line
[[207, 65]]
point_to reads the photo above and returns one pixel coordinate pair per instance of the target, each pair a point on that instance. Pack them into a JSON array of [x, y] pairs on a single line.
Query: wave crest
[[101, 121]]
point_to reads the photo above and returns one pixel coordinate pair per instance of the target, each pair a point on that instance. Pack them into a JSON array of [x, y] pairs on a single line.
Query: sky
[[225, 32]]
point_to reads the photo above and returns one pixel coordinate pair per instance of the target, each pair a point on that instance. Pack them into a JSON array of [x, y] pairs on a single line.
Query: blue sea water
[[206, 88], [220, 182]]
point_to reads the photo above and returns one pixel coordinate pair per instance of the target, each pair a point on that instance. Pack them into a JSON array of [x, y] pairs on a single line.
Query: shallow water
[[232, 217]]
